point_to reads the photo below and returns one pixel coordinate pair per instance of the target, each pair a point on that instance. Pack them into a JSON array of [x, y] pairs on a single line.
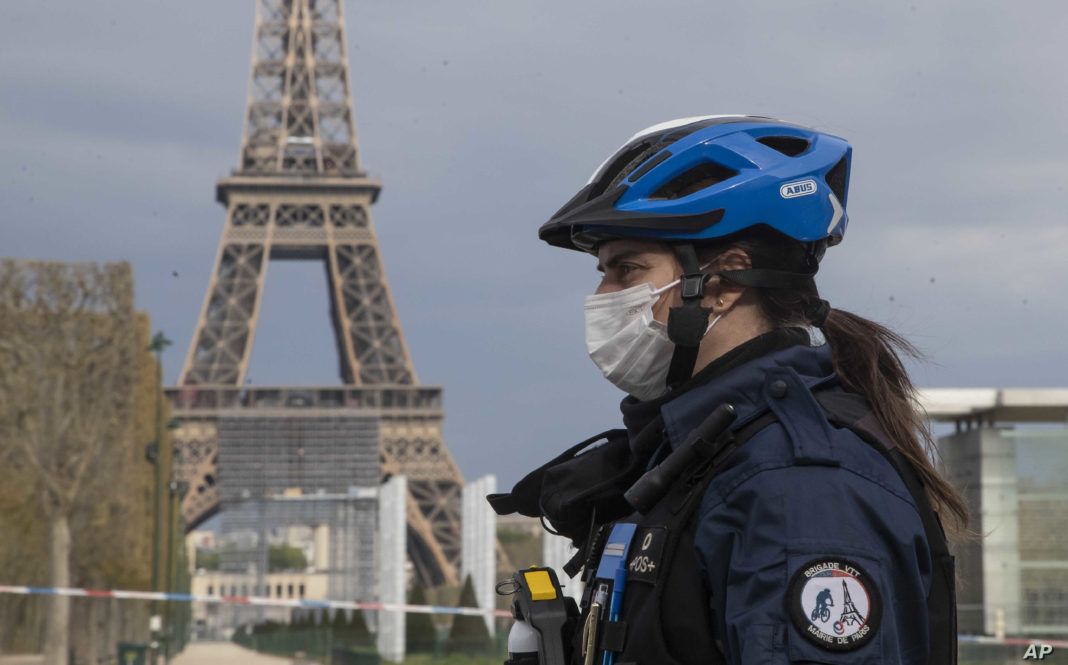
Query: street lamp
[[178, 490], [159, 343]]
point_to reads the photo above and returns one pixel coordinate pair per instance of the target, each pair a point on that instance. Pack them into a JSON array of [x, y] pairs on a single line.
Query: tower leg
[[223, 340]]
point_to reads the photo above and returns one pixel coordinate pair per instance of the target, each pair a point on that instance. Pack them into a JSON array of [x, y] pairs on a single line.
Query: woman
[[799, 523]]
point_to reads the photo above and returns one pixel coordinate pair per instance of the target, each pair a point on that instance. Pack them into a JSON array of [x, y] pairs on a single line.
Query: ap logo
[[1037, 652]]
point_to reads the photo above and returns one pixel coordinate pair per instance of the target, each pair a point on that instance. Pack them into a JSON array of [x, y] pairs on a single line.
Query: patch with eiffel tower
[[834, 603]]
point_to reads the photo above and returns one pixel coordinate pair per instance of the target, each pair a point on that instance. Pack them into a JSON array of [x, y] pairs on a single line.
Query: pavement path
[[224, 653]]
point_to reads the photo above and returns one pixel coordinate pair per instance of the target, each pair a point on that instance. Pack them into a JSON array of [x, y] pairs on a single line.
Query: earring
[[719, 302]]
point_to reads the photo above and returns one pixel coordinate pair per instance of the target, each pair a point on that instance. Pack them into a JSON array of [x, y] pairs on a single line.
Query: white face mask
[[631, 348]]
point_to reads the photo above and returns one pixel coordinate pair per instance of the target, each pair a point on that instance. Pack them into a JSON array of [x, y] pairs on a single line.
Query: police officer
[[810, 530]]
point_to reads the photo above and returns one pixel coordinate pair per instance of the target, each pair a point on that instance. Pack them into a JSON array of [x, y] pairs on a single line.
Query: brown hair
[[867, 359]]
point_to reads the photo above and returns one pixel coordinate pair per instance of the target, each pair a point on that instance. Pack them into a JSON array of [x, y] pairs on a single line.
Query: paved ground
[[223, 653], [197, 653]]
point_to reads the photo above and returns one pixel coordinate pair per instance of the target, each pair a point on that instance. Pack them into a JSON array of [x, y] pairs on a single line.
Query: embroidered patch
[[834, 603], [645, 554]]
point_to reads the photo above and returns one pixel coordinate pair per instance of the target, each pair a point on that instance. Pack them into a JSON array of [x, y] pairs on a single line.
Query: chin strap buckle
[[693, 285]]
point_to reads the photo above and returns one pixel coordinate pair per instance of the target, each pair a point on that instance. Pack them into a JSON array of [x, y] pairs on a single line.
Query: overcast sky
[[482, 117]]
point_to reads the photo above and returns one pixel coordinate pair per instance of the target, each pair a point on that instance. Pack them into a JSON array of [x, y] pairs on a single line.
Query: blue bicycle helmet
[[711, 176], [708, 177]]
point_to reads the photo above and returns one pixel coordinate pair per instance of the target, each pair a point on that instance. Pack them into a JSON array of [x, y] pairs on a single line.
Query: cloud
[[953, 110]]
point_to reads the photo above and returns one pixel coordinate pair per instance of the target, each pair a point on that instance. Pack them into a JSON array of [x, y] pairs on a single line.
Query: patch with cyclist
[[834, 603]]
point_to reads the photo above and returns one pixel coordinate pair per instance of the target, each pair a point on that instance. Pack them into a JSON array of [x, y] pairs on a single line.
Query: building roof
[[1018, 405]]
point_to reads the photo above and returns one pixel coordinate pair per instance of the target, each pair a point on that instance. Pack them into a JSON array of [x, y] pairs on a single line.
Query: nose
[[608, 285]]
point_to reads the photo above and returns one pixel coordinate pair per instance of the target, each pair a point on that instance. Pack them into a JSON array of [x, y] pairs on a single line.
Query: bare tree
[[67, 364]]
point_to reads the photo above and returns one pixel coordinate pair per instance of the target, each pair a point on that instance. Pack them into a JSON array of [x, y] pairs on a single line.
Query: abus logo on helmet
[[802, 188]]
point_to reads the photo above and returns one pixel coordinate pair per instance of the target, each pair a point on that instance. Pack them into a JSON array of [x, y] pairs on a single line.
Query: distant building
[[1009, 457], [215, 621]]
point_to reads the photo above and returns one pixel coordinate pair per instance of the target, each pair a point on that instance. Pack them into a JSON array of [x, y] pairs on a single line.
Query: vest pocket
[[762, 643]]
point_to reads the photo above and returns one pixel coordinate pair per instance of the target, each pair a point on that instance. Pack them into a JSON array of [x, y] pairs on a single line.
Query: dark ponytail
[[867, 358]]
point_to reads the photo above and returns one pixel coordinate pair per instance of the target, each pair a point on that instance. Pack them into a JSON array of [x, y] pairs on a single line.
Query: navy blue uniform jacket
[[800, 492]]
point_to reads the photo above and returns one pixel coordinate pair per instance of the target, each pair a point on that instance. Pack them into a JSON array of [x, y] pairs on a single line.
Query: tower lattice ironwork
[[299, 193]]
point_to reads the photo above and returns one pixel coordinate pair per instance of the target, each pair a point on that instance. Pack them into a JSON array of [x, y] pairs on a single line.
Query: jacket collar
[[637, 414], [742, 386]]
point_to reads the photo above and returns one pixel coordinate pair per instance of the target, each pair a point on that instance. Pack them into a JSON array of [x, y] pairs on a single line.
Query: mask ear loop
[[657, 292], [718, 302], [714, 321]]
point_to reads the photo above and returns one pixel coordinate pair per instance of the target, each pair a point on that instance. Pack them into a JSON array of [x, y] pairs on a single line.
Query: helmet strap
[[763, 278], [688, 323]]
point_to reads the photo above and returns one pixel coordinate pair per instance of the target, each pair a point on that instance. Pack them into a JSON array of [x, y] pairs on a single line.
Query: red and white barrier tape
[[352, 605], [247, 600]]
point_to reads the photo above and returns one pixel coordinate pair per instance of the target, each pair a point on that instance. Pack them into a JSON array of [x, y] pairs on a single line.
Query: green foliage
[[522, 547], [419, 632], [181, 614], [350, 631], [469, 634], [268, 628], [357, 628], [509, 536], [281, 558], [207, 559], [110, 514]]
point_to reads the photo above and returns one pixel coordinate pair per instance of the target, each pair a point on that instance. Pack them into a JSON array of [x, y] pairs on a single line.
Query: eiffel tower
[[850, 615], [299, 193]]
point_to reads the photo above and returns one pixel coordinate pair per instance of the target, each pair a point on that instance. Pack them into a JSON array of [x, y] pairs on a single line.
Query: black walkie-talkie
[[540, 608]]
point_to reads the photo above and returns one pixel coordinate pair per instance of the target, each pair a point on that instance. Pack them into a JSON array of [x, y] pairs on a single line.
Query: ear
[[721, 294]]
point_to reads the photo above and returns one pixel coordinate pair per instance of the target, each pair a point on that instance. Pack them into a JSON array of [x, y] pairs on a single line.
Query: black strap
[[743, 434], [688, 492], [687, 324], [683, 360], [613, 636], [765, 278]]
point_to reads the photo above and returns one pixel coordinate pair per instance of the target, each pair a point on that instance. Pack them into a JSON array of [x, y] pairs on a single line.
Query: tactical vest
[[666, 614]]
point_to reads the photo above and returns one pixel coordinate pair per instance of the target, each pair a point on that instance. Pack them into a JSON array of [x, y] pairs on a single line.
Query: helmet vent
[[615, 171], [699, 177], [649, 165], [836, 180], [791, 146]]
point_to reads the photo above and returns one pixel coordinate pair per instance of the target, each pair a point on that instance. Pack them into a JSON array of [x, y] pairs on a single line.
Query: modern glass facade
[[1013, 572]]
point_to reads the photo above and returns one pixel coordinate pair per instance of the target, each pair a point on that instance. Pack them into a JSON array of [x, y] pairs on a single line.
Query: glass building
[[1008, 456]]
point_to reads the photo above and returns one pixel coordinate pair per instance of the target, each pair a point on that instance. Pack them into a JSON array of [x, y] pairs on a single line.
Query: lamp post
[[178, 490], [159, 343]]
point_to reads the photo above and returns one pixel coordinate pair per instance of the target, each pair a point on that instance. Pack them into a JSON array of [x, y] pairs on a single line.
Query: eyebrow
[[616, 259]]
